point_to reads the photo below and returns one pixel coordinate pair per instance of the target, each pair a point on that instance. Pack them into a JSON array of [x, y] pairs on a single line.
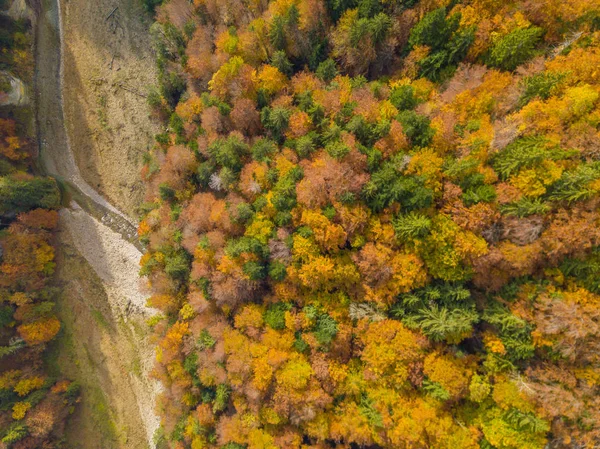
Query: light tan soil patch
[[103, 344], [108, 68]]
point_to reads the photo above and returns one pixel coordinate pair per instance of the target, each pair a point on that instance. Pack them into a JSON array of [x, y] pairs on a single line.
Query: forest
[[374, 223], [33, 403], [367, 224]]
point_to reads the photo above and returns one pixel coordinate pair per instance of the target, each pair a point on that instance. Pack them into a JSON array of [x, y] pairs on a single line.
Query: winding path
[[102, 234]]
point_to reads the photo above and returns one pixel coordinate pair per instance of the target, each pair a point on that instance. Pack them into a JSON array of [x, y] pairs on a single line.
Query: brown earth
[[98, 349], [104, 343], [108, 68]]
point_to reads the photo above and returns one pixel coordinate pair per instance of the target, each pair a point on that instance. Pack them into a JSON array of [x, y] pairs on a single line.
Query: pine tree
[[515, 48]]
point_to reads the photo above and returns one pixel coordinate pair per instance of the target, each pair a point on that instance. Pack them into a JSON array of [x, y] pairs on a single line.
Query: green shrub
[[585, 271], [274, 316], [177, 265], [229, 152], [441, 64], [254, 270], [514, 332], [6, 315], [327, 70], [433, 30], [190, 364], [221, 398], [444, 323], [386, 187], [277, 271], [574, 185], [172, 86], [150, 5], [526, 152], [540, 85], [525, 207], [326, 328], [15, 433], [403, 97], [22, 195], [515, 48], [165, 192], [411, 226], [435, 390], [205, 340], [276, 121], [443, 312], [283, 64], [483, 193], [416, 127]]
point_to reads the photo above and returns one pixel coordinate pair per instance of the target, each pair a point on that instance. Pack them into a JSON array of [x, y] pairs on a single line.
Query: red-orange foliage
[[27, 259], [237, 12], [556, 242], [11, 145], [34, 411], [245, 117], [475, 218], [43, 418], [229, 290], [253, 179], [40, 331], [560, 393], [177, 12], [394, 142], [305, 82], [326, 178], [367, 105], [212, 122], [299, 125], [201, 62], [205, 213], [179, 163], [39, 219], [386, 274]]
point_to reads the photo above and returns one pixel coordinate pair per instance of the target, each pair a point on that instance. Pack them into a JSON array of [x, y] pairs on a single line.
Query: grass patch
[[136, 367], [100, 319], [101, 111]]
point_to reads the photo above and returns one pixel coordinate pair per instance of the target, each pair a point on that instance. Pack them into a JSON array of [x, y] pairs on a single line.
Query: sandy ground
[[116, 263], [55, 155], [104, 344], [108, 68]]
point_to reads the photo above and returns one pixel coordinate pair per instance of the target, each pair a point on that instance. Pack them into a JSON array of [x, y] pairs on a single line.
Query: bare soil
[[108, 68], [99, 346], [105, 339]]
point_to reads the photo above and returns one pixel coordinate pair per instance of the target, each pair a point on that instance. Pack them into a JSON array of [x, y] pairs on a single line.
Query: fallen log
[[111, 13]]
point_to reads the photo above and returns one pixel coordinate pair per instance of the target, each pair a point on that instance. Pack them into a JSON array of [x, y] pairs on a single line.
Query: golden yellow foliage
[[20, 409], [271, 80], [27, 385]]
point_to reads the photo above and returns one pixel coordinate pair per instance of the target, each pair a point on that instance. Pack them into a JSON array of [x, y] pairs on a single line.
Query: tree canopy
[[385, 221]]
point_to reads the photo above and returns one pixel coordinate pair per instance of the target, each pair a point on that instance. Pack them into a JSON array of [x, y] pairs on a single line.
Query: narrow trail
[[103, 235]]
